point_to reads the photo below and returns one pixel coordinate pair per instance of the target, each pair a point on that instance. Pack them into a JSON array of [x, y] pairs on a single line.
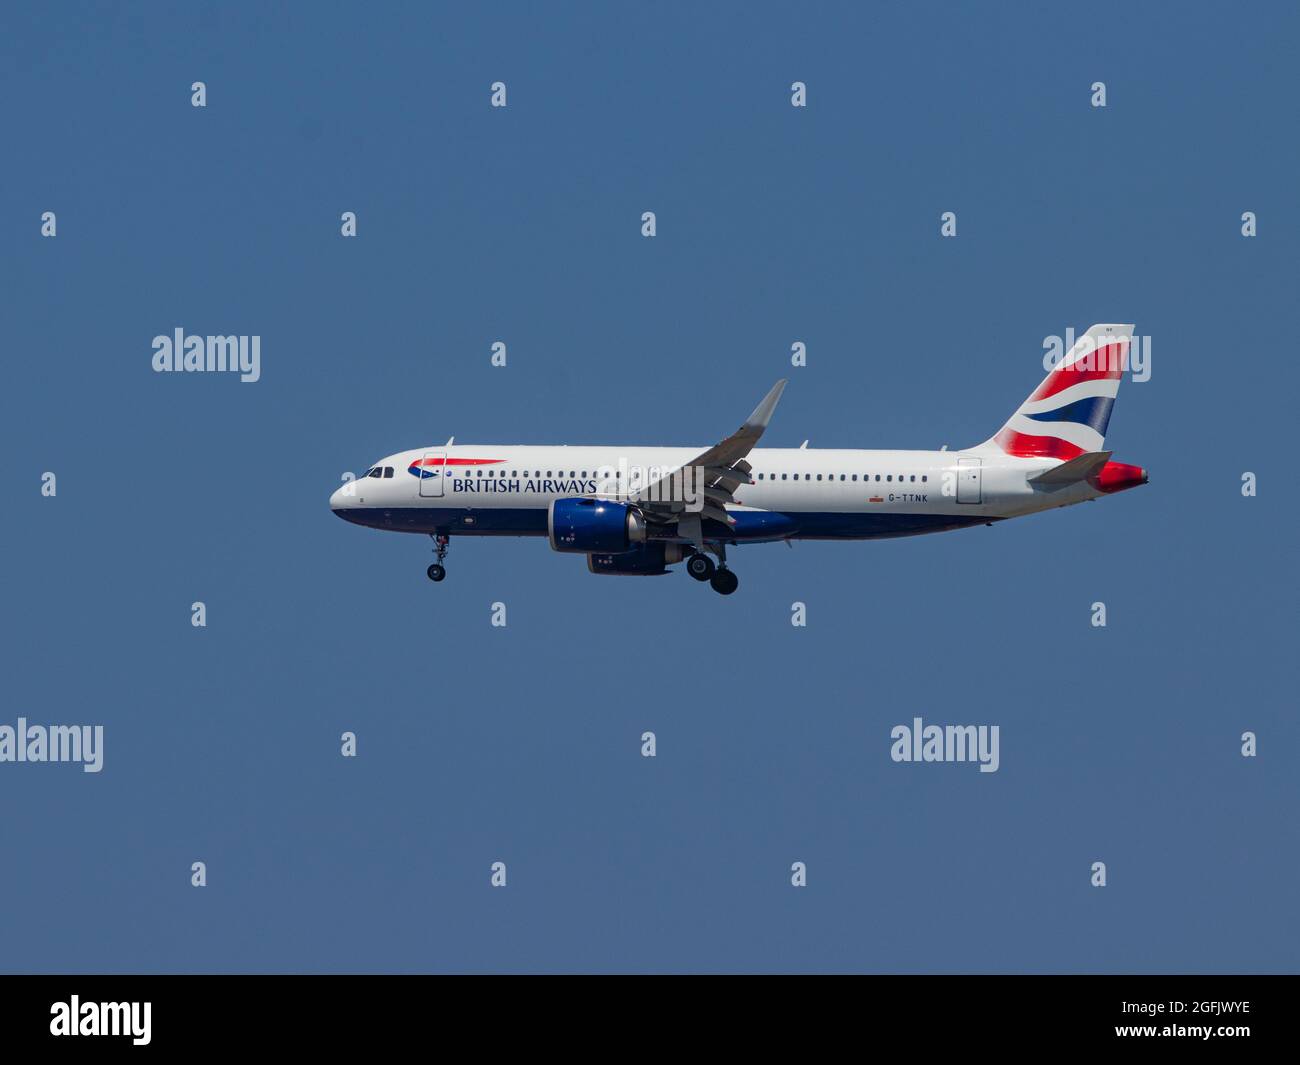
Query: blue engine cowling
[[599, 525], [647, 560]]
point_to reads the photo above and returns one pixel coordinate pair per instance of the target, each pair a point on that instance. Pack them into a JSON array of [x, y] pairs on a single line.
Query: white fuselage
[[826, 494], [638, 510]]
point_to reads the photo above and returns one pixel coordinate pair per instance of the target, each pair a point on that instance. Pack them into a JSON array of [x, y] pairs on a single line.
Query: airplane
[[635, 511]]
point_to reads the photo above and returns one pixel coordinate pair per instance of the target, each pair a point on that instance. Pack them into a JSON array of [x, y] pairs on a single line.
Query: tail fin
[[1066, 416]]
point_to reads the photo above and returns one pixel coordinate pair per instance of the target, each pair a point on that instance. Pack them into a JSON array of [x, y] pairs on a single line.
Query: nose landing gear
[[438, 571]]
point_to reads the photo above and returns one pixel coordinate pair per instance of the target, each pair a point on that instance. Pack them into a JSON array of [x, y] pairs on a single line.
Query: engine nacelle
[[647, 560], [594, 525]]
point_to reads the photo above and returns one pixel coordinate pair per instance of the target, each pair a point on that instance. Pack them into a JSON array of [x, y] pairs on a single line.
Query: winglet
[[763, 412]]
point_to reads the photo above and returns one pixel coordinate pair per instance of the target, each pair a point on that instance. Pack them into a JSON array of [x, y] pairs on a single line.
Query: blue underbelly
[[751, 525]]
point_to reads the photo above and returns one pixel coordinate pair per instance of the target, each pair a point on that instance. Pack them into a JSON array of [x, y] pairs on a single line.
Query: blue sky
[[775, 224]]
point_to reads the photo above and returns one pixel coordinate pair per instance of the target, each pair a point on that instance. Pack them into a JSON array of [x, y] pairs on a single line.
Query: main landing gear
[[700, 566], [720, 579], [438, 571], [724, 582]]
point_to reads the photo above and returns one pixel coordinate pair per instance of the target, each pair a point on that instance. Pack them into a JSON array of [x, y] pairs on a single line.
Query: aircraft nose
[[339, 500]]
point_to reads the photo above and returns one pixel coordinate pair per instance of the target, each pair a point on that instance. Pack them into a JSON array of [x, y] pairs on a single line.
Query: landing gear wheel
[[724, 582], [700, 567], [437, 571]]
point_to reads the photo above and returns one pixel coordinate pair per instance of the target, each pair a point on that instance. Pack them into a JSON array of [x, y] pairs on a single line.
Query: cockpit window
[[375, 471], [388, 471]]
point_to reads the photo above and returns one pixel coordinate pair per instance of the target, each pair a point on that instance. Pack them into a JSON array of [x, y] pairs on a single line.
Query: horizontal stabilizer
[[1077, 469]]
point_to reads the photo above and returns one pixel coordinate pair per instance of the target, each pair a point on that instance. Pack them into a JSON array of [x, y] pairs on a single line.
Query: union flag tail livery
[[1066, 416], [636, 511]]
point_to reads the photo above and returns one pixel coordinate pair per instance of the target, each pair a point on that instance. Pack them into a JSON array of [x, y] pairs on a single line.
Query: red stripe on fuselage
[[1108, 365], [455, 462]]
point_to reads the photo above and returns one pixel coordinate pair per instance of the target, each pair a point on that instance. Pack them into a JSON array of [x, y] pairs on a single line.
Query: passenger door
[[433, 472], [969, 488]]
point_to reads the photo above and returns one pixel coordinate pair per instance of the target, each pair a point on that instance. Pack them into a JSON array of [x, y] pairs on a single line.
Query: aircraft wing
[[721, 470]]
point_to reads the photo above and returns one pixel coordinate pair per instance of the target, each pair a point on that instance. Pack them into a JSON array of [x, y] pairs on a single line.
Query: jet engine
[[647, 560], [594, 525]]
